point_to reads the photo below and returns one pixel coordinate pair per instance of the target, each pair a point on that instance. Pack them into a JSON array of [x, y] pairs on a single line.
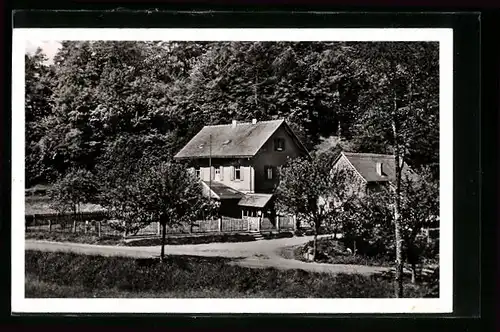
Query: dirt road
[[255, 254]]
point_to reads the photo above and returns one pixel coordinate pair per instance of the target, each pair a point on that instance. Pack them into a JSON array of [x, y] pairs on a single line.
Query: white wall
[[246, 184]]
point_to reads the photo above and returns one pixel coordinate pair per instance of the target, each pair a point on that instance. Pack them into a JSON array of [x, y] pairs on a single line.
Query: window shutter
[[241, 173], [221, 173], [232, 173], [212, 172]]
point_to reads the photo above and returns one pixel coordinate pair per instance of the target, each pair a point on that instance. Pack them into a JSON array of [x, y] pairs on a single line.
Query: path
[[254, 254]]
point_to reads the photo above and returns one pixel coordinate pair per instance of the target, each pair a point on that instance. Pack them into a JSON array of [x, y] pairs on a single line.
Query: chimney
[[254, 121], [380, 169], [234, 124]]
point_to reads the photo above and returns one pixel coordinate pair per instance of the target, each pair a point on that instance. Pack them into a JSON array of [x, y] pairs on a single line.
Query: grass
[[118, 240], [74, 237], [40, 204], [58, 274], [196, 239]]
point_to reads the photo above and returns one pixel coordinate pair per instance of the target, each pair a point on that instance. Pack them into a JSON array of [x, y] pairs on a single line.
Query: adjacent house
[[371, 171], [239, 164]]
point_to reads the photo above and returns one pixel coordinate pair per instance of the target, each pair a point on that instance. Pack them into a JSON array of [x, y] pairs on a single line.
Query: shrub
[[334, 252]]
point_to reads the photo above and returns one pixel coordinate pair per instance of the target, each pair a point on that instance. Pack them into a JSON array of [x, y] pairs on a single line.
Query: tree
[[420, 209], [314, 192], [76, 187], [372, 220], [403, 93], [166, 192]]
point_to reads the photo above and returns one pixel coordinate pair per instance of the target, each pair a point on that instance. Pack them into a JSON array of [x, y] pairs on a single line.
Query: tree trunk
[[354, 249], [163, 239], [74, 219], [397, 205], [315, 245], [413, 273]]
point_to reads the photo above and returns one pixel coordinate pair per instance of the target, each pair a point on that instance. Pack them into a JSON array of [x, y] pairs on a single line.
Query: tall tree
[[401, 96]]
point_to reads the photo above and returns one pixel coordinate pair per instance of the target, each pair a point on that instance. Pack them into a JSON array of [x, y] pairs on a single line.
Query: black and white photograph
[[232, 170]]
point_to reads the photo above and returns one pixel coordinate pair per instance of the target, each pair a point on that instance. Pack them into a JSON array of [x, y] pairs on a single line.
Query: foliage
[[38, 106], [76, 187], [155, 190], [314, 192], [182, 276], [371, 221], [159, 94], [335, 252]]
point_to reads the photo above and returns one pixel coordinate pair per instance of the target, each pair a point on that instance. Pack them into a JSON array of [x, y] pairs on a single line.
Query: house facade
[[239, 163]]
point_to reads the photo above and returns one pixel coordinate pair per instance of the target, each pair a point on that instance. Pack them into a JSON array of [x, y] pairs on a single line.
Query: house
[[371, 171], [239, 163]]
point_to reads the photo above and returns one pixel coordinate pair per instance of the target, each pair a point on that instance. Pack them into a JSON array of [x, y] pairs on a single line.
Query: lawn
[[57, 274], [40, 204], [147, 242]]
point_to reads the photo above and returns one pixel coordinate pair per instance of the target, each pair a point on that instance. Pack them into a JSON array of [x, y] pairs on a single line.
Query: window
[[217, 171], [268, 170], [279, 144], [198, 173], [237, 173]]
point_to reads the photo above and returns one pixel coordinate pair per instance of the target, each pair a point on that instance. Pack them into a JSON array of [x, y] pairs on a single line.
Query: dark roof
[[222, 191], [255, 200], [228, 141], [366, 165]]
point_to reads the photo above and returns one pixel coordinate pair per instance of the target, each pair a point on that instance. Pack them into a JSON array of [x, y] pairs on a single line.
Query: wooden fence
[[97, 223]]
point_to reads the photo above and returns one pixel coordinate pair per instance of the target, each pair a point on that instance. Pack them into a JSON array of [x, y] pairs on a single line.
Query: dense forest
[[99, 101]]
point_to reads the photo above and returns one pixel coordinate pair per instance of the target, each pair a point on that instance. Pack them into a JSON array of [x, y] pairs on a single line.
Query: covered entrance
[[254, 210]]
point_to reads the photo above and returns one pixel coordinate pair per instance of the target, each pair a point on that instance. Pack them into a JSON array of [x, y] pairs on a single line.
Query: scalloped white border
[[443, 304]]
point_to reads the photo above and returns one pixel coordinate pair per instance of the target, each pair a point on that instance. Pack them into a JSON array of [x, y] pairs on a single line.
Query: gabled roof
[[242, 140], [255, 200], [366, 165], [221, 191]]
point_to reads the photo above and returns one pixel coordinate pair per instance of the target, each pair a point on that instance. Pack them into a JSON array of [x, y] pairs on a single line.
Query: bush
[[334, 252], [212, 276]]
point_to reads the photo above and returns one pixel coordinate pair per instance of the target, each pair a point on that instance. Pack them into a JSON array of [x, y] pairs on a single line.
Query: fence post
[[50, 225], [220, 224]]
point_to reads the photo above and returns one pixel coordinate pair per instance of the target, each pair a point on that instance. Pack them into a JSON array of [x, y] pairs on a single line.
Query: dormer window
[[380, 169], [279, 144]]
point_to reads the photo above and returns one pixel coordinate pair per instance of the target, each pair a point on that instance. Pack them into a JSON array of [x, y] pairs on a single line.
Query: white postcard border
[[443, 304]]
